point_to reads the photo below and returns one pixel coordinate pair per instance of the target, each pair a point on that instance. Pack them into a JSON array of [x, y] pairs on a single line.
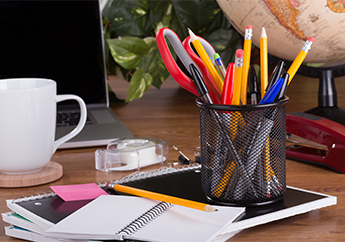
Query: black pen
[[282, 91], [275, 74], [253, 87], [203, 94], [200, 84]]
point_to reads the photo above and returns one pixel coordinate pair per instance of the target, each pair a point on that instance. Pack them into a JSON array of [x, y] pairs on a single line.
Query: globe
[[289, 23]]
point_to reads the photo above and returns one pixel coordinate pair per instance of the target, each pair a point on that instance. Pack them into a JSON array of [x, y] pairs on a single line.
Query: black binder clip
[[182, 157], [316, 140]]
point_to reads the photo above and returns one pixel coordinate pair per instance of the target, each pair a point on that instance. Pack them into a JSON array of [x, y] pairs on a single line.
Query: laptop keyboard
[[69, 119]]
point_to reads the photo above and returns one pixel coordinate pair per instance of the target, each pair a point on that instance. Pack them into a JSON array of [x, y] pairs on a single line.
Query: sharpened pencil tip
[[191, 34], [209, 208], [263, 32]]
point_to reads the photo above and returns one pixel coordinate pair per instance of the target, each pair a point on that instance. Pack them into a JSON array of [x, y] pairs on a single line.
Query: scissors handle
[[169, 61]]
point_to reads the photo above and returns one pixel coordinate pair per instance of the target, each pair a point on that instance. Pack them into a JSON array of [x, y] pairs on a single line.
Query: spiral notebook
[[25, 234], [127, 217], [48, 209], [21, 222]]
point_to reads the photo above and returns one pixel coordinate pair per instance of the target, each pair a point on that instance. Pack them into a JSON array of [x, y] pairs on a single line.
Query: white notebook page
[[104, 217]]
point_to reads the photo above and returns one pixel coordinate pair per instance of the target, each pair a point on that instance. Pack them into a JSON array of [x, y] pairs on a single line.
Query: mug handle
[[81, 123]]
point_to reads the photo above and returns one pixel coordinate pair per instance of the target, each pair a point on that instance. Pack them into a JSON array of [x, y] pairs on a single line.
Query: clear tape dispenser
[[131, 154]]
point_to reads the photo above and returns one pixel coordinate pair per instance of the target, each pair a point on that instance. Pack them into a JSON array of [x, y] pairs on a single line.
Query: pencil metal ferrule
[[248, 33], [307, 46], [238, 62]]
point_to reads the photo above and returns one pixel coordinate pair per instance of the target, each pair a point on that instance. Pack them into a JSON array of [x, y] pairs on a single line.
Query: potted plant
[[130, 27]]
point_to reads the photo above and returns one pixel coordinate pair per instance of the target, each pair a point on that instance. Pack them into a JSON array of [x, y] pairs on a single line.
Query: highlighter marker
[[218, 63]]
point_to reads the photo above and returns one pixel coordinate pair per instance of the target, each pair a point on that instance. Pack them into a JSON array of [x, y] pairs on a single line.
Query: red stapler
[[328, 136]]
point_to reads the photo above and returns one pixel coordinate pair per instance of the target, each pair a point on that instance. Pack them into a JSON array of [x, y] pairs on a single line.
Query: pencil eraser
[[249, 27], [311, 39], [239, 53]]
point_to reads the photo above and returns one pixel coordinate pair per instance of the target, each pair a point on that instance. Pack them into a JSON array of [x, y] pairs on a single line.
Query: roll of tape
[[131, 153]]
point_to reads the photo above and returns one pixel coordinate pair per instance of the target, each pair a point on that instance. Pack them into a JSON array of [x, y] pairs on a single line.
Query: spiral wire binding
[[132, 177], [36, 196], [145, 218], [149, 174]]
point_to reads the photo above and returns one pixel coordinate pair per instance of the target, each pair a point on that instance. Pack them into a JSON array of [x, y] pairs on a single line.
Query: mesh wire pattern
[[243, 152]]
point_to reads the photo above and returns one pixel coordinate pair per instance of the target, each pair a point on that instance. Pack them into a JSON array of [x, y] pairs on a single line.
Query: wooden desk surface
[[171, 115]]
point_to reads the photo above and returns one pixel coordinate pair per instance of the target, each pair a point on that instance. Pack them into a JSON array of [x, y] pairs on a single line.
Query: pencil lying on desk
[[164, 198]]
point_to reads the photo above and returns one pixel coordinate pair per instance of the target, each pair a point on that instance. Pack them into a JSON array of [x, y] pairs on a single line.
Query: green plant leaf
[[178, 15], [142, 18], [128, 17], [216, 21], [163, 14], [140, 82], [128, 51], [153, 63], [197, 15]]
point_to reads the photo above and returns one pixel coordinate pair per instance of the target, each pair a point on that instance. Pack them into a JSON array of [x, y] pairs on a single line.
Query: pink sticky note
[[78, 192]]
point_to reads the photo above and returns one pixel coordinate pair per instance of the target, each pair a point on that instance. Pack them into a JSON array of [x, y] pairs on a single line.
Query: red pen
[[228, 85]]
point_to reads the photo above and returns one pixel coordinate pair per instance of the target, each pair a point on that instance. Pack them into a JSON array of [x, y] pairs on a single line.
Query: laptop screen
[[58, 40]]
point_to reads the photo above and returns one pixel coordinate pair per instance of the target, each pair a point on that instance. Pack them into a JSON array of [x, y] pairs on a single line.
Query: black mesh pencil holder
[[243, 153]]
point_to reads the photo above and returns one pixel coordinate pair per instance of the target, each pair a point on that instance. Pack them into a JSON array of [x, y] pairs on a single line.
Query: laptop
[[62, 41]]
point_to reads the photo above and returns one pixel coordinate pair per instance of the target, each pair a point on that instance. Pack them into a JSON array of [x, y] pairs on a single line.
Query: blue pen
[[272, 92]]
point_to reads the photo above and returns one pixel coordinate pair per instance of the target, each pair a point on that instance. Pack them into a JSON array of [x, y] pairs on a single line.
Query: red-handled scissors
[[183, 54]]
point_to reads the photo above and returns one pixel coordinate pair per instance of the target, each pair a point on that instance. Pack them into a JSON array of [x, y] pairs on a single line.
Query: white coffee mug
[[28, 121]]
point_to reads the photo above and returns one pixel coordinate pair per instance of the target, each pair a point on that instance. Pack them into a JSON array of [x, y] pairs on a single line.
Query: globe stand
[[327, 95]]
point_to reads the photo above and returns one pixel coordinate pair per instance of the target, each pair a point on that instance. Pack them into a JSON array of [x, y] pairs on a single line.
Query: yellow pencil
[[206, 60], [230, 168], [164, 198], [264, 83], [300, 58], [247, 47], [237, 77], [263, 61], [236, 116]]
